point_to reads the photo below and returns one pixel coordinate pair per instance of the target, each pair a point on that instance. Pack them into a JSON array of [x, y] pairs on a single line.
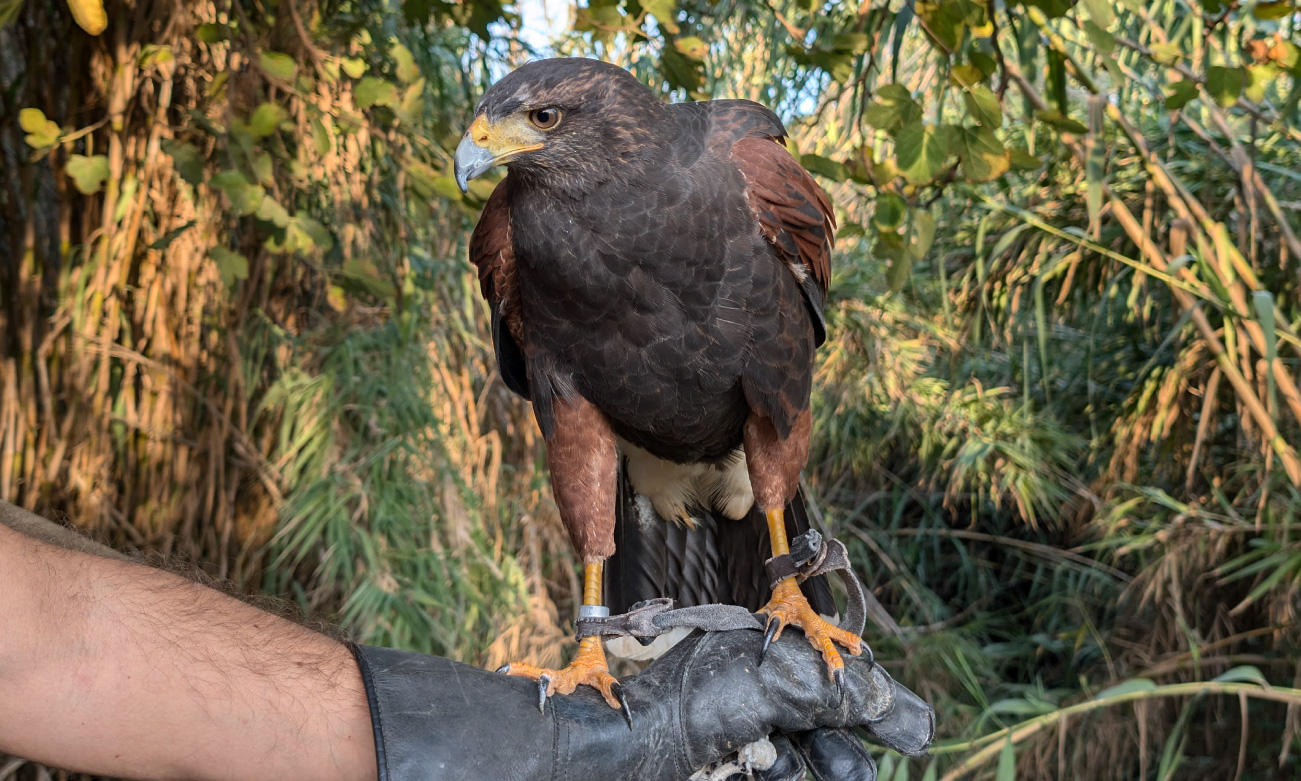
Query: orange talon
[[789, 606]]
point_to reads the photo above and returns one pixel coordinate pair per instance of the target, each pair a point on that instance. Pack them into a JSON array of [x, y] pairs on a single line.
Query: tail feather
[[714, 560]]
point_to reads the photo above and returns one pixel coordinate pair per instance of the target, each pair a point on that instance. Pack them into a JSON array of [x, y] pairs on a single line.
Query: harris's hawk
[[656, 274]]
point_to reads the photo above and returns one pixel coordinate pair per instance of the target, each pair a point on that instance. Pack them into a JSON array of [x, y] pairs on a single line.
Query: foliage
[[1055, 422]]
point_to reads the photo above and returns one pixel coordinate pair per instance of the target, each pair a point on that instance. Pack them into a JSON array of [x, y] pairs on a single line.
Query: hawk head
[[564, 122]]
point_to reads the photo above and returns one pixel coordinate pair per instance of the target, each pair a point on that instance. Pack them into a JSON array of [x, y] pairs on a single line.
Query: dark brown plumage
[[656, 274]]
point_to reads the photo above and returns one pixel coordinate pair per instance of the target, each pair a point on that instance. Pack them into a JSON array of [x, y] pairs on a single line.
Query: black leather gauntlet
[[704, 699]]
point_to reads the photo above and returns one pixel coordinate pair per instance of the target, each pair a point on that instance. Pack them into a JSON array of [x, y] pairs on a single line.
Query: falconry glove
[[703, 700]]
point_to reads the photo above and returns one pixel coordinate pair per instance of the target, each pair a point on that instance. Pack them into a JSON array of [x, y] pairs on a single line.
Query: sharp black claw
[[543, 682], [838, 675], [867, 652], [774, 626], [505, 668], [618, 692]]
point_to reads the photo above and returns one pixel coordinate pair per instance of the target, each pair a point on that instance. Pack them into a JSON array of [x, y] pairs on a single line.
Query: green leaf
[[41, 132], [1180, 93], [1166, 53], [230, 264], [1102, 40], [372, 91], [983, 106], [1131, 686], [893, 109], [824, 166], [898, 267], [413, 101], [966, 75], [165, 241], [1274, 10], [1100, 12], [921, 153], [1006, 762], [1053, 9], [921, 234], [406, 64], [314, 230], [1225, 84], [271, 211], [681, 71], [1243, 674], [1259, 77], [266, 118], [186, 159], [320, 137], [665, 13], [890, 212], [152, 55], [88, 173], [353, 66], [212, 33], [983, 156], [1022, 160], [691, 47], [278, 65], [245, 197], [1060, 121]]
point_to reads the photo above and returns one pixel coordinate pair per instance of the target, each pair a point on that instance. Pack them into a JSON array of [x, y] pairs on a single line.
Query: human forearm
[[119, 669]]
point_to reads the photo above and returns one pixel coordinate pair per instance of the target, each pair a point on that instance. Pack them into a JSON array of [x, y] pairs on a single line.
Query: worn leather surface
[[437, 719]]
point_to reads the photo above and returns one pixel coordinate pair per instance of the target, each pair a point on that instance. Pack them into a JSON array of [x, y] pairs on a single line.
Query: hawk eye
[[544, 118]]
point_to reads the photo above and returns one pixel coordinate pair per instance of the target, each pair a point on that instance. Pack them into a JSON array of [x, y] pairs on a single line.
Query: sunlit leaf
[[278, 65], [983, 106], [824, 166], [152, 55], [271, 211], [983, 155], [266, 118], [374, 91], [1100, 12], [1166, 53], [406, 68], [1225, 84], [1281, 9], [664, 11], [893, 108], [41, 132], [88, 173], [353, 66], [245, 197], [921, 153]]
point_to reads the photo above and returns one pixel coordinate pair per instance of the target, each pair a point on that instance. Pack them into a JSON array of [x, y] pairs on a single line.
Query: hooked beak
[[486, 144]]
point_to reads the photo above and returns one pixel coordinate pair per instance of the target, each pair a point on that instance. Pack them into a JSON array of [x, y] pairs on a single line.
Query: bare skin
[[111, 667]]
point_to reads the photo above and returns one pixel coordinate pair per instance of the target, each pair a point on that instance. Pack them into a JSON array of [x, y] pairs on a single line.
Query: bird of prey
[[656, 275]]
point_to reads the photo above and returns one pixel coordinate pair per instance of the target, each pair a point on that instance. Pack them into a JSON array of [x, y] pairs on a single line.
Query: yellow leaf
[[89, 15]]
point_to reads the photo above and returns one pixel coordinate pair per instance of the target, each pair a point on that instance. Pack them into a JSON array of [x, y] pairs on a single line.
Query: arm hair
[[114, 668]]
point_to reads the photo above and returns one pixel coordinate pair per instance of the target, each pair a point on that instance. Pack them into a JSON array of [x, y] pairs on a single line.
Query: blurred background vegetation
[[1056, 419]]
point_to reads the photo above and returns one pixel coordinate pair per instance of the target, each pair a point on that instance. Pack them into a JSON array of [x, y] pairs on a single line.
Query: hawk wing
[[492, 251], [794, 216]]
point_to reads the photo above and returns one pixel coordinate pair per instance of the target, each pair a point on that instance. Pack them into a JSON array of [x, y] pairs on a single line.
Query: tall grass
[[1056, 422]]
